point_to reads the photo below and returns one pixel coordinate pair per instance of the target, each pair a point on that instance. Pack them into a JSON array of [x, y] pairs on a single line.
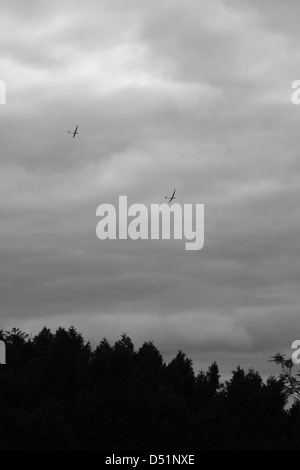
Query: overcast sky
[[193, 95]]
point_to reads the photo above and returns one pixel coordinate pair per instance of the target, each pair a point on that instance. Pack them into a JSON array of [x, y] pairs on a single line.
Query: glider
[[74, 133], [172, 197]]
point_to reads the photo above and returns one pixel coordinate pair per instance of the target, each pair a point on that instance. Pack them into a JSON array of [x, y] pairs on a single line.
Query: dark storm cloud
[[194, 96]]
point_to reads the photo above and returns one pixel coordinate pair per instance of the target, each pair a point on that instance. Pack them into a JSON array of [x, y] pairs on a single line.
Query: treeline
[[56, 392]]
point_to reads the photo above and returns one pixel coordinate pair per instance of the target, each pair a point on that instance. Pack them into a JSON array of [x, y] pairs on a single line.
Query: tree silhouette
[[292, 384], [57, 392]]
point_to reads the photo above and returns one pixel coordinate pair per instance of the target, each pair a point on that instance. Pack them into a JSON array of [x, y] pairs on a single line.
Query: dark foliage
[[58, 393]]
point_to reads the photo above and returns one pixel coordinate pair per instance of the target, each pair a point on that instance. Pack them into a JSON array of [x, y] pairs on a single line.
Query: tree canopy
[[57, 392]]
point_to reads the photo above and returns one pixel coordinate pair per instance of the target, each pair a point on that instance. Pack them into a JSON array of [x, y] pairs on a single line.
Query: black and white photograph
[[149, 227]]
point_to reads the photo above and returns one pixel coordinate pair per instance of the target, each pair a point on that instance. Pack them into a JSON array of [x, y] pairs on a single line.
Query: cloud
[[194, 96]]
